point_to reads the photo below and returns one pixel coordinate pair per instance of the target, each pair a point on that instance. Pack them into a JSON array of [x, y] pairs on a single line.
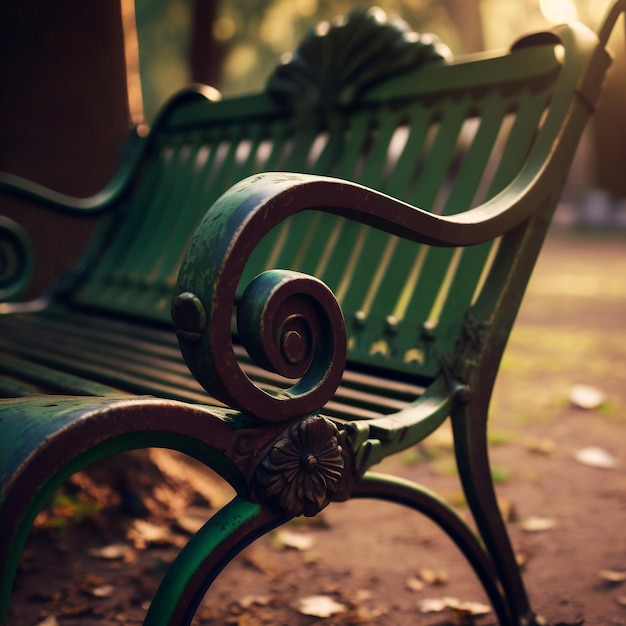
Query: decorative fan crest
[[337, 60]]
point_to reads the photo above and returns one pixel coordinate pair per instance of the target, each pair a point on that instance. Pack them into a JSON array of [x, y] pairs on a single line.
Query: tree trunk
[[63, 114]]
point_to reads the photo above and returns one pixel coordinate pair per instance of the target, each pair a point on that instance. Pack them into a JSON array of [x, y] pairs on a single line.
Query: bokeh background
[[76, 75]]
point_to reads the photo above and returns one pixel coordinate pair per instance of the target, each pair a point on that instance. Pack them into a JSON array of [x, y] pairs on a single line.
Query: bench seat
[[131, 358], [292, 285]]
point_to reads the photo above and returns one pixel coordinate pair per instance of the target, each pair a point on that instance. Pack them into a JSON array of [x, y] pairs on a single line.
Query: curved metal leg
[[57, 436], [470, 437], [415, 496], [227, 533]]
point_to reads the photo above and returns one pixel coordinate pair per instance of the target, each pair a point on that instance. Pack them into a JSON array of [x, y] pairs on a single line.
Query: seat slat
[[147, 360], [50, 379]]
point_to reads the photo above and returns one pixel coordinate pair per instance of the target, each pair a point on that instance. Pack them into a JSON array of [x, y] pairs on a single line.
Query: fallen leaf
[[191, 524], [144, 534], [320, 606], [433, 577], [361, 595], [536, 524], [104, 591], [286, 538], [95, 586], [438, 605], [74, 608], [586, 396], [507, 510], [435, 605], [613, 576], [414, 584], [469, 608], [111, 552], [520, 559], [540, 445], [596, 457], [90, 581], [51, 620], [247, 601]]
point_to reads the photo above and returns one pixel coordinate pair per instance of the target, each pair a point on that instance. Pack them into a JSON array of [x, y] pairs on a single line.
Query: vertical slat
[[131, 286], [152, 253], [529, 109], [406, 166], [431, 178], [136, 215]]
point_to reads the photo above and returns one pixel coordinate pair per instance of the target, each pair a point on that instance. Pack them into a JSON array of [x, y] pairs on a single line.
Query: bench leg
[[224, 536], [417, 497], [470, 437], [47, 439]]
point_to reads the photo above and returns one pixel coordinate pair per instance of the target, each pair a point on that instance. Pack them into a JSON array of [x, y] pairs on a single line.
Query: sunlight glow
[[558, 11]]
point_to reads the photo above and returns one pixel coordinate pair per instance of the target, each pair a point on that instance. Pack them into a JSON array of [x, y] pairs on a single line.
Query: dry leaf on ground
[[112, 552], [586, 396], [438, 605], [51, 620], [613, 576], [414, 584], [286, 538], [433, 605], [144, 534], [536, 524], [103, 591], [433, 577], [540, 445], [320, 606], [596, 457], [247, 601]]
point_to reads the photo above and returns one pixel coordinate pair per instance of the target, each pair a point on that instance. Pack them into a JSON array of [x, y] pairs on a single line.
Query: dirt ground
[[373, 563]]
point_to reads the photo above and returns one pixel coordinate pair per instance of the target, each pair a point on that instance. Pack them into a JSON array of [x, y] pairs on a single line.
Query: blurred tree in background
[[72, 84], [234, 45]]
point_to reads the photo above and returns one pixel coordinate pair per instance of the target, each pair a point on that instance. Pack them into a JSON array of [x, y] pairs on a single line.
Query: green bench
[[342, 255]]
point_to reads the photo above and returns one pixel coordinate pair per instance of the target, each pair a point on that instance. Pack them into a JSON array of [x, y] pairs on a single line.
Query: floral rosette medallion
[[303, 469]]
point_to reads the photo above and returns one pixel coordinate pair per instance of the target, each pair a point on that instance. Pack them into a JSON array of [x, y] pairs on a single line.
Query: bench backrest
[[444, 136]]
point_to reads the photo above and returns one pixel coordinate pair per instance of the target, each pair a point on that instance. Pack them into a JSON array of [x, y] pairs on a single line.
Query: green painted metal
[[389, 220], [382, 487], [200, 561], [48, 438]]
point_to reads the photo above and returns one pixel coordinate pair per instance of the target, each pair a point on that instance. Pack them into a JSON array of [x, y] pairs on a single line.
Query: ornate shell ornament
[[337, 60], [303, 469]]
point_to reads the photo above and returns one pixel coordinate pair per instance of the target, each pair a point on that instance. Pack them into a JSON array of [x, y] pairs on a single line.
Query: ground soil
[[377, 560]]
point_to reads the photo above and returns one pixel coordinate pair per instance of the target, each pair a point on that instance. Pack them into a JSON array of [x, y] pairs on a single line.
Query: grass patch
[[500, 475], [498, 438]]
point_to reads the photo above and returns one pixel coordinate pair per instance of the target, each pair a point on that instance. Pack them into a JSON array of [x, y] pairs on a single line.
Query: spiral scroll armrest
[[290, 323], [16, 260]]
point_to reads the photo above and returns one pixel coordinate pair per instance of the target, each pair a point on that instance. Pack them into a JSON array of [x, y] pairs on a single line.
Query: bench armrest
[[203, 304], [204, 299]]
